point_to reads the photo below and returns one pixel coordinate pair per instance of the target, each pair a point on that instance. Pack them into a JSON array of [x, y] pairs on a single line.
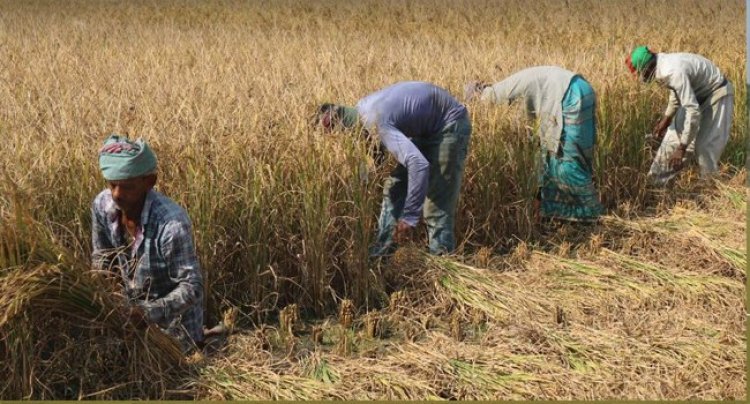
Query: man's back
[[415, 108], [704, 77]]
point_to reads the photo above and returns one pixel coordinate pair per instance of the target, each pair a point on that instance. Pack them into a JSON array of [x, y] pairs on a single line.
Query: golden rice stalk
[[288, 319], [52, 303], [346, 313]]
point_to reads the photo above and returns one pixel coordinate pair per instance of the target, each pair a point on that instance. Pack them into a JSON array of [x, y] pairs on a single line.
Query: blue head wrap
[[121, 158]]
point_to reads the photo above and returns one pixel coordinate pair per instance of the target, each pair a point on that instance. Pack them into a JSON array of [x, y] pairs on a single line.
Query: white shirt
[[543, 89], [695, 83]]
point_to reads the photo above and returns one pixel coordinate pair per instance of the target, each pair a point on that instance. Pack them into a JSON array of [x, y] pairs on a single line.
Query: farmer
[[698, 115], [564, 104], [146, 238], [427, 131]]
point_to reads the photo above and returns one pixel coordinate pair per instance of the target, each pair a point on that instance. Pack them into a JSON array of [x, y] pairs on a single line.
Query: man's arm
[[100, 243], [683, 93], [178, 250], [660, 129], [417, 166], [672, 104]]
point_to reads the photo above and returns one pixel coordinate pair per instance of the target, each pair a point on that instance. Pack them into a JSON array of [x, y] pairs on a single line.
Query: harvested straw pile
[[650, 308], [64, 334], [63, 337]]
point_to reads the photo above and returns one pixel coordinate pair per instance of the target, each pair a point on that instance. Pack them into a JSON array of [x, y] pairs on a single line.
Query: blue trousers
[[446, 152]]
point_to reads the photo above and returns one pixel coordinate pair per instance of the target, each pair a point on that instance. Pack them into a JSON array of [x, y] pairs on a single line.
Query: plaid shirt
[[159, 268]]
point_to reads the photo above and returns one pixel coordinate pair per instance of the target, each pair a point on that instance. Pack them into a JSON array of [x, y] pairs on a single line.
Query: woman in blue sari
[[565, 106]]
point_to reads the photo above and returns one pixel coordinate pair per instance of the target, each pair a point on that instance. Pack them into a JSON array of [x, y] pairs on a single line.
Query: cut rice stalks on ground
[[603, 318], [613, 315]]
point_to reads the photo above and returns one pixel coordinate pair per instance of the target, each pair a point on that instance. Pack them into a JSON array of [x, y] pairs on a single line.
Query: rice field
[[648, 304], [640, 308]]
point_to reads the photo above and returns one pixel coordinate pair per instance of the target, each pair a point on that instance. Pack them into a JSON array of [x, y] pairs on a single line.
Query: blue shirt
[[410, 109], [159, 267]]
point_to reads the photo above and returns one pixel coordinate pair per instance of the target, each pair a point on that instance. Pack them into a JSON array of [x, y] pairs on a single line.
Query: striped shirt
[[159, 267]]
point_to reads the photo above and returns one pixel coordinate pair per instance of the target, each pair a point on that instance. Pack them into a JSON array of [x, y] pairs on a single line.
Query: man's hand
[[403, 233], [677, 156], [661, 128], [137, 316]]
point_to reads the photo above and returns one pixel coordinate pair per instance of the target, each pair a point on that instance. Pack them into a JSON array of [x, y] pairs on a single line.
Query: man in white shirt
[[698, 114]]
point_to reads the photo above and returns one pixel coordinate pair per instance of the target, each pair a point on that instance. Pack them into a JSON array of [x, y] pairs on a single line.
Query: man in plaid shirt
[[146, 238]]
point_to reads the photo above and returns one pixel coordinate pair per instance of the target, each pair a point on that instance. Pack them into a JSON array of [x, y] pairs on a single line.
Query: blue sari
[[566, 184]]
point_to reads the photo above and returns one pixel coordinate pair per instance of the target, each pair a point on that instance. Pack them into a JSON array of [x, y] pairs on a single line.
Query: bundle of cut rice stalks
[[64, 330], [64, 335]]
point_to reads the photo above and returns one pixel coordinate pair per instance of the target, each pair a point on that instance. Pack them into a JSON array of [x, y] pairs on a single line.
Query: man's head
[[130, 170], [331, 116], [129, 195], [642, 63]]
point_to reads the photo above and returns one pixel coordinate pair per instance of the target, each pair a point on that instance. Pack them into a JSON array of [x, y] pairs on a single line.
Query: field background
[[224, 92]]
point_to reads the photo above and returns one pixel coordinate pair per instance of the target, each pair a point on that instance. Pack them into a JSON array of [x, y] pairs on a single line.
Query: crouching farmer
[[564, 104], [146, 238], [698, 117], [428, 132]]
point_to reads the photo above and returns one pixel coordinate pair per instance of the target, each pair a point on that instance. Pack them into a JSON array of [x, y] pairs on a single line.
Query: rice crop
[[647, 304]]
